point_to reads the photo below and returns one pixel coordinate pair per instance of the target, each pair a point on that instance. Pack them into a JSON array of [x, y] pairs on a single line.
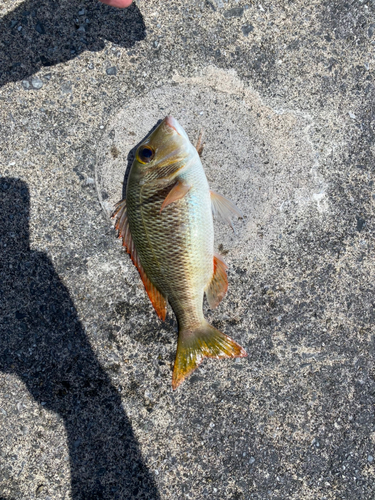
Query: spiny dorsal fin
[[224, 208], [218, 286], [200, 144], [122, 226], [179, 190]]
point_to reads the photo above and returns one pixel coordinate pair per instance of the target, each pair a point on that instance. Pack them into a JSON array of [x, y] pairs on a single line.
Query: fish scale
[[167, 227], [178, 260]]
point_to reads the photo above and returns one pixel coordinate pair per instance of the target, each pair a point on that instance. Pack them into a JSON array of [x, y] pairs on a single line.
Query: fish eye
[[145, 154]]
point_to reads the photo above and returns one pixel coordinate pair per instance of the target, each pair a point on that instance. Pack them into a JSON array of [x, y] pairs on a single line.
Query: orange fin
[[122, 226], [224, 208], [179, 190], [218, 286], [203, 342]]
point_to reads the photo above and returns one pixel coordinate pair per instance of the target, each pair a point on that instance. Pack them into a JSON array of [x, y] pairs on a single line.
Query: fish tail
[[203, 342]]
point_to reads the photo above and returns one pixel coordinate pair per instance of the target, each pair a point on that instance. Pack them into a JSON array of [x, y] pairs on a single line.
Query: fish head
[[164, 152]]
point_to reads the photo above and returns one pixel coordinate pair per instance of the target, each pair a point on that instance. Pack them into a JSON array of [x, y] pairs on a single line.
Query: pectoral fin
[[179, 190], [122, 226], [218, 286], [224, 208]]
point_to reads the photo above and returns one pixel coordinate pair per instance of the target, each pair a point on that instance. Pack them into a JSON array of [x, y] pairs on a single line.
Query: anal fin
[[122, 226], [218, 286]]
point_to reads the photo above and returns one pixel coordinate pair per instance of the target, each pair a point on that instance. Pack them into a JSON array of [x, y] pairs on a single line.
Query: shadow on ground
[[43, 343], [47, 32]]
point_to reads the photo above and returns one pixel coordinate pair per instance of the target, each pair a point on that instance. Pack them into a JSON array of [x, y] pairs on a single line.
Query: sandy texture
[[285, 91]]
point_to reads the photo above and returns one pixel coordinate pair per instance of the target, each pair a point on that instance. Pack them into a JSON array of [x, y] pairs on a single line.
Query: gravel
[[111, 71]]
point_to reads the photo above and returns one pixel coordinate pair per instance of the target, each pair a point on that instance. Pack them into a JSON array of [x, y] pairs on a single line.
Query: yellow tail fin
[[204, 342]]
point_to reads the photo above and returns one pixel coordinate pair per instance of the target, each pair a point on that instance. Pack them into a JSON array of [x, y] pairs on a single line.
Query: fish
[[166, 225]]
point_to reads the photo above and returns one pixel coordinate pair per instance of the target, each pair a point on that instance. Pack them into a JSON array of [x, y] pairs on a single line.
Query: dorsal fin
[[122, 226], [218, 286], [200, 144]]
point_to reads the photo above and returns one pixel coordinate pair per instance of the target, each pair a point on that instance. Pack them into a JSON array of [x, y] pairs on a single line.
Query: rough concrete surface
[[285, 92]]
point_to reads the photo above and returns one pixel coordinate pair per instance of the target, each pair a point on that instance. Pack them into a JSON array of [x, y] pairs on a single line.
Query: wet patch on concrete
[[261, 158]]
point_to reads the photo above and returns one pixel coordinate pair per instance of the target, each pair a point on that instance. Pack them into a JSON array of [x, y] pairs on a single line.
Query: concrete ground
[[285, 91]]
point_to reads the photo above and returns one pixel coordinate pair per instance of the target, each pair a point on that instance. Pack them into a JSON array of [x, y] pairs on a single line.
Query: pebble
[[66, 88], [370, 459], [26, 84], [235, 12], [247, 29], [40, 28], [112, 71], [81, 12], [252, 460], [36, 83]]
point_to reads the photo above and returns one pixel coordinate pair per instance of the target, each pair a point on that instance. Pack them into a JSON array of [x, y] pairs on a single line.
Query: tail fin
[[204, 342]]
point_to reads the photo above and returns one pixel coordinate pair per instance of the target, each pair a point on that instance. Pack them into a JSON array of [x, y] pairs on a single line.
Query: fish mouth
[[173, 124]]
